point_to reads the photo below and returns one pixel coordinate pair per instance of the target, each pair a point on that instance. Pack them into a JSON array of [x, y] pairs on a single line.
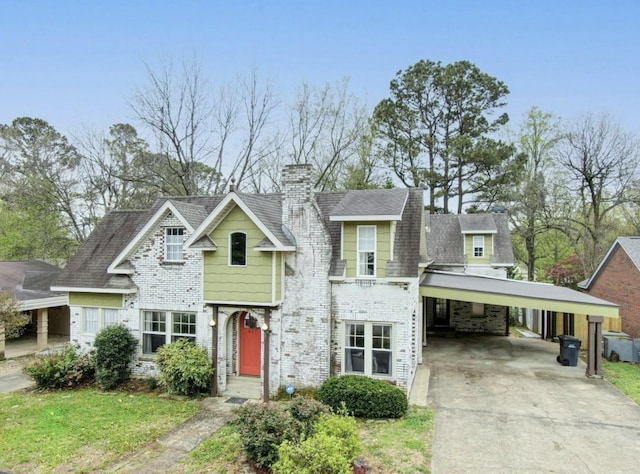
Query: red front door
[[249, 345]]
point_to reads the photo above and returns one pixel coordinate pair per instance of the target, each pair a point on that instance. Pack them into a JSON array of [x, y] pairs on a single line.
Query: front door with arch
[[249, 334]]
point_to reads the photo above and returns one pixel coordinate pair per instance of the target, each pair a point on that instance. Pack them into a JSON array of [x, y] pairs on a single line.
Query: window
[[368, 349], [173, 243], [478, 245], [160, 328], [366, 250], [91, 320], [94, 319], [238, 249]]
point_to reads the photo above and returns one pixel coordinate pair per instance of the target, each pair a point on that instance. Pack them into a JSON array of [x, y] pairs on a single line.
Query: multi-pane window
[[173, 241], [94, 319], [91, 320], [238, 248], [366, 250], [162, 327], [369, 349], [478, 245]]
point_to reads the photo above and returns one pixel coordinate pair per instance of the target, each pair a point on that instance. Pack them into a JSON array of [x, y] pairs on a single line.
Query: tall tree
[[435, 125], [42, 169], [602, 162]]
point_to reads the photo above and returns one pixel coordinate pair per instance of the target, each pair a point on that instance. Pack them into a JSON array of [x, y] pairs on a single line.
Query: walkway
[[504, 405]]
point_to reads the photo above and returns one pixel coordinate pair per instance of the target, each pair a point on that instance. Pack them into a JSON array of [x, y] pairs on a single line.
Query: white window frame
[[230, 263], [102, 318], [173, 244], [165, 326], [364, 248], [364, 340], [478, 247]]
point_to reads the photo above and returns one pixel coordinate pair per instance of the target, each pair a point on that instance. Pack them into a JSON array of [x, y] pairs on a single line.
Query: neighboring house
[[617, 278], [29, 282], [291, 287]]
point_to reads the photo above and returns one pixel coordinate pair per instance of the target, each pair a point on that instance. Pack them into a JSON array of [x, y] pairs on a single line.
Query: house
[[29, 282], [617, 278], [293, 287], [288, 287]]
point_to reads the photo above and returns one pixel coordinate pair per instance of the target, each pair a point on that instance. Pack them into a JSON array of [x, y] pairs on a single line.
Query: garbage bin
[[569, 350]]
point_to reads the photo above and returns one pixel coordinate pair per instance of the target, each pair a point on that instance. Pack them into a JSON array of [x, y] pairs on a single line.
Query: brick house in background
[[617, 278]]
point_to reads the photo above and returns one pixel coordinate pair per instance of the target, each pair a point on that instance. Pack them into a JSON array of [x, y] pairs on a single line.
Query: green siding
[[250, 283], [350, 243], [488, 247], [102, 300], [278, 275]]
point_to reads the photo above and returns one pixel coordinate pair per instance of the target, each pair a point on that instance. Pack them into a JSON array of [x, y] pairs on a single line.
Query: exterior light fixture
[[265, 327], [212, 323]]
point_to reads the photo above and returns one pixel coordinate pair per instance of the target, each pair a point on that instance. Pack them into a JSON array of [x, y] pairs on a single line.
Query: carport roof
[[522, 294]]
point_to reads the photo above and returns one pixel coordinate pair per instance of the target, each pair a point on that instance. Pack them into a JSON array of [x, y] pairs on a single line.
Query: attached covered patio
[[470, 303]]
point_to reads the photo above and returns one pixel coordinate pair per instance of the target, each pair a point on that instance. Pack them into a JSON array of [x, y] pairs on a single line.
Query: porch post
[[266, 331], [594, 359], [214, 351], [42, 328]]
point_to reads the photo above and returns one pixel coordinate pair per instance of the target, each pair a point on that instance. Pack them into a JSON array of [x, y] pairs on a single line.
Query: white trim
[[384, 217], [71, 289], [375, 251], [342, 241], [40, 303], [272, 249], [479, 231], [253, 304], [208, 224], [149, 226]]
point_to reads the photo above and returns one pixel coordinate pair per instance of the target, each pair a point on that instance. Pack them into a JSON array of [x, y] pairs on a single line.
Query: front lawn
[[81, 430], [389, 446], [625, 376]]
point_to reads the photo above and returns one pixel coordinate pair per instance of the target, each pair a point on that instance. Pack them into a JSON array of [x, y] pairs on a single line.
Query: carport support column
[[594, 360], [42, 328]]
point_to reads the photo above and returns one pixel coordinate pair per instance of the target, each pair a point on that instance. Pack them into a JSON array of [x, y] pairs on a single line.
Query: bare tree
[[602, 163]]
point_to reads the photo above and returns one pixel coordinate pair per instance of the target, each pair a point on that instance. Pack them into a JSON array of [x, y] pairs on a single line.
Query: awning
[[520, 294]]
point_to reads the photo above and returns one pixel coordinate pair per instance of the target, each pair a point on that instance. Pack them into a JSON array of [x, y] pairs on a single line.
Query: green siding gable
[[488, 249], [100, 300], [350, 247], [254, 282]]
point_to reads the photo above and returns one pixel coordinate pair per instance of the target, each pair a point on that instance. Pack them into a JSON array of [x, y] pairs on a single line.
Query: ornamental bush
[[306, 412], [331, 449], [184, 368], [64, 369], [363, 397], [115, 348]]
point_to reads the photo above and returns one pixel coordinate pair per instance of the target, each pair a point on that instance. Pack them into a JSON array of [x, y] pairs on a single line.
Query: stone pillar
[[43, 328], [2, 345], [266, 331], [594, 359]]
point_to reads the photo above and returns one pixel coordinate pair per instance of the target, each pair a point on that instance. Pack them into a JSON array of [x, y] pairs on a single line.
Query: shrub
[[306, 392], [115, 348], [306, 412], [263, 427], [330, 450], [64, 369], [364, 397], [184, 368]]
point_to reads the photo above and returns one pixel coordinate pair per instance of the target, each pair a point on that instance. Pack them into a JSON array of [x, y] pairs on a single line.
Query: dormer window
[[478, 246], [238, 249], [366, 250], [173, 240]]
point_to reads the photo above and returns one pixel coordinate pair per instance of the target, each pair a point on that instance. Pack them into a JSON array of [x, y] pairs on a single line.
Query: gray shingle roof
[[88, 268], [631, 246], [371, 203], [28, 279], [445, 240]]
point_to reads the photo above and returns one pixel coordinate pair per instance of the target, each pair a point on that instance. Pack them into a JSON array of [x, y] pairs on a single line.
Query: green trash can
[[569, 350]]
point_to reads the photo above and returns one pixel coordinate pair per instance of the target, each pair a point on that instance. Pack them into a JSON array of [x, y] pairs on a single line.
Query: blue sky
[[75, 63]]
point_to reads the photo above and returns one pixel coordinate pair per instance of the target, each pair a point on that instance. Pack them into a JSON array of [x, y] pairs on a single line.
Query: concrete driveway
[[504, 405]]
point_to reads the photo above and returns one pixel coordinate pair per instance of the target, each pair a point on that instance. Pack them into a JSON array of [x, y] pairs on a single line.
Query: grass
[[80, 430], [390, 446], [625, 376]]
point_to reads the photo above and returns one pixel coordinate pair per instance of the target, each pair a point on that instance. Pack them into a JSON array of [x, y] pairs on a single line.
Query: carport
[[496, 293]]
